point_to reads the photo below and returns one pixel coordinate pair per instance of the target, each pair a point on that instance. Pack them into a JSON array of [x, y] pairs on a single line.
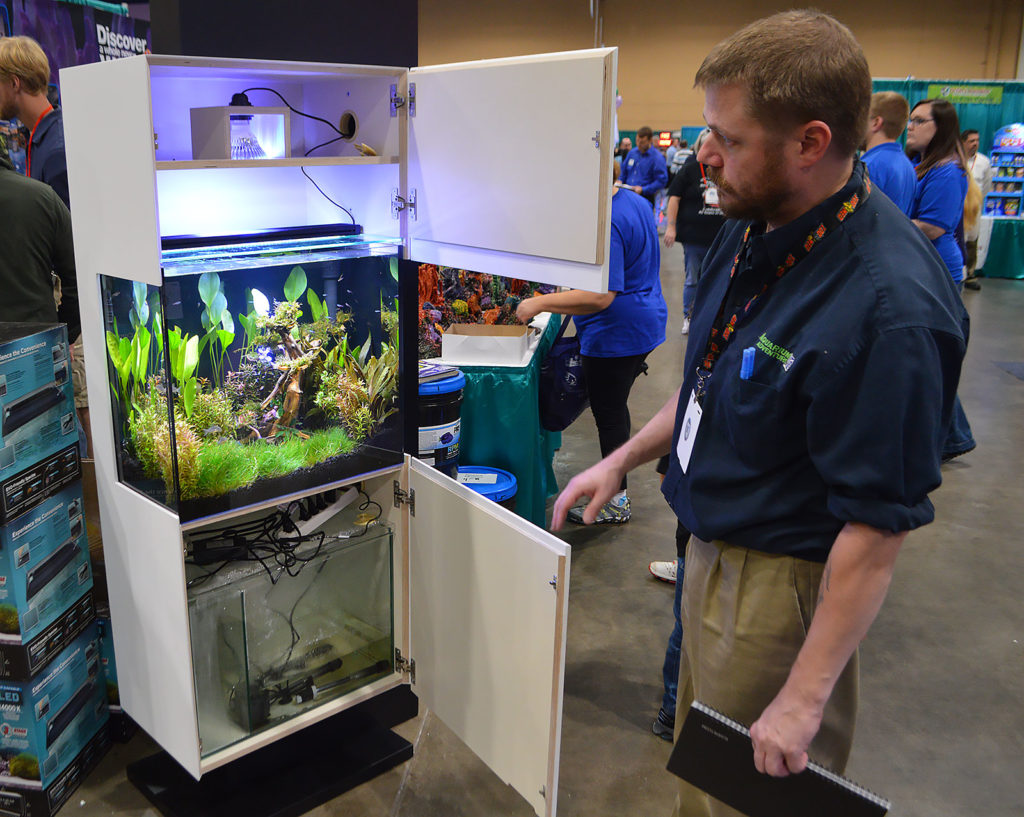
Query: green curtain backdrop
[[985, 119]]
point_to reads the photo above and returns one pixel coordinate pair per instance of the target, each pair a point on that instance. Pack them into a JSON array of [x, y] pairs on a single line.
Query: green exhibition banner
[[968, 94]]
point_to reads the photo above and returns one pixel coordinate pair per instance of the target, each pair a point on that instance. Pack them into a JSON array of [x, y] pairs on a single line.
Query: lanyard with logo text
[[32, 135], [722, 331]]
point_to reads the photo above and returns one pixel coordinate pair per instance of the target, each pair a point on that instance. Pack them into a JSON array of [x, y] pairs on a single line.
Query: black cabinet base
[[291, 776]]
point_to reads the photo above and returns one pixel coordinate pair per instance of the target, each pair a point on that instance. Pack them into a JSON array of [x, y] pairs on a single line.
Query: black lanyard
[[722, 331]]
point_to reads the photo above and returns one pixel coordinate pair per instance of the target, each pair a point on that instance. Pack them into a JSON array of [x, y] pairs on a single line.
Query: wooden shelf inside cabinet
[[308, 161]]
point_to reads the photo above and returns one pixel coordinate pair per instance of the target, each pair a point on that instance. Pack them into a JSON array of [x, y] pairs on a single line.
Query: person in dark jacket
[[35, 246], [693, 218]]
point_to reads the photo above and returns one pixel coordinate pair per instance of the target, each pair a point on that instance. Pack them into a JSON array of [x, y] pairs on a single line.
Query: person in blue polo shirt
[[888, 166], [643, 168], [824, 354], [617, 329]]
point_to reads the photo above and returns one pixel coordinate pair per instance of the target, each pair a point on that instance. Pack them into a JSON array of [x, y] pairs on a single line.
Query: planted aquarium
[[264, 366], [288, 609]]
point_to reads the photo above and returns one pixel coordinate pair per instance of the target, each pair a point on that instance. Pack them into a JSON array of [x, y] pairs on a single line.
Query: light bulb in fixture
[[244, 144]]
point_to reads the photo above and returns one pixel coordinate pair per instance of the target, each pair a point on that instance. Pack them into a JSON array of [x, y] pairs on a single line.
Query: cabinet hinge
[[554, 582], [596, 139], [397, 100], [398, 204], [405, 498], [403, 664]]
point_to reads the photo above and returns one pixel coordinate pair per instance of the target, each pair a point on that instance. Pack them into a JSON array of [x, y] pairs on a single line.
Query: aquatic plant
[[250, 382], [213, 415], [217, 321], [183, 351], [343, 397], [144, 427], [188, 448], [300, 346], [224, 466]]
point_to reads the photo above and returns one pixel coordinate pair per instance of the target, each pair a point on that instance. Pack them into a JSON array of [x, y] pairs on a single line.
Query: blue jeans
[[693, 257], [670, 671]]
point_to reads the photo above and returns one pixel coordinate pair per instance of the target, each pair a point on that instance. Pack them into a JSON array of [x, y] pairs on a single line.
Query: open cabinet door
[[510, 163], [488, 602]]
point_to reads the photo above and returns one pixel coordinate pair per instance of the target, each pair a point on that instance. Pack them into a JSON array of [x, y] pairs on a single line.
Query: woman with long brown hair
[[933, 144]]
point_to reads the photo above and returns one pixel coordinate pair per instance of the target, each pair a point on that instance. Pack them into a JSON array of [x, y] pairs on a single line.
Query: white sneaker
[[686, 326], [666, 571]]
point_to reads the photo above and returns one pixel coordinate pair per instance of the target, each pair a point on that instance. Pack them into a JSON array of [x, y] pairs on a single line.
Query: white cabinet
[[461, 179]]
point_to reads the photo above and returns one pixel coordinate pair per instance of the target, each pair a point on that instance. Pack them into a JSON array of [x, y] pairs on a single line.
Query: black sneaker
[[664, 726], [972, 283]]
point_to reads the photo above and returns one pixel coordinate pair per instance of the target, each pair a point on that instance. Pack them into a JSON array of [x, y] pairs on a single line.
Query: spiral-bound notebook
[[714, 753]]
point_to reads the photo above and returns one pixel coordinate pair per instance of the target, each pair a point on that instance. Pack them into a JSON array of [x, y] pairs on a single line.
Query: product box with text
[[45, 583], [38, 432], [53, 728]]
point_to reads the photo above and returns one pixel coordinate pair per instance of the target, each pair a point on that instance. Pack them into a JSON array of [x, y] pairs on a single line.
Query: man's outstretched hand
[[599, 482]]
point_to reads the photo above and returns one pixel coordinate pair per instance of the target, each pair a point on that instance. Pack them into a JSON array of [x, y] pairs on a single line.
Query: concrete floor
[[942, 719]]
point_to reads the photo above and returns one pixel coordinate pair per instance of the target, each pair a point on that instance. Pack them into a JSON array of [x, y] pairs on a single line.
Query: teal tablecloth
[[1005, 257], [501, 427]]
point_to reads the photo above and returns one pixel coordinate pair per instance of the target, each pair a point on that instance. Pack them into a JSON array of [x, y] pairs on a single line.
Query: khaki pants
[[745, 616]]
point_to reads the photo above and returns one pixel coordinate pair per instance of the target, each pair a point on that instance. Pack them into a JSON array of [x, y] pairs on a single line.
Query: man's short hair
[[23, 58], [968, 132], [644, 131], [797, 66], [894, 110]]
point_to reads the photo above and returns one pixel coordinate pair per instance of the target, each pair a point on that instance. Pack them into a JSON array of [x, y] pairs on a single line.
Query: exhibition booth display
[[1007, 193], [248, 281]]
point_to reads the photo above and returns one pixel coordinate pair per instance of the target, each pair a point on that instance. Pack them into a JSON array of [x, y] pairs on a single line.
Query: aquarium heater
[[66, 714], [48, 569], [30, 406]]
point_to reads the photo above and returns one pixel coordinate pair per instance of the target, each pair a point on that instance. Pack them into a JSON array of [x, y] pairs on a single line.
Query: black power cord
[[331, 125]]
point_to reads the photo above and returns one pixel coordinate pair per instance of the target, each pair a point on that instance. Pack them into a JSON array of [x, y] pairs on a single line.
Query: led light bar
[[48, 569], [66, 714], [28, 407]]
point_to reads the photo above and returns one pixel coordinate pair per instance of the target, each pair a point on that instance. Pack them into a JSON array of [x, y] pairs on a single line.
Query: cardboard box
[[45, 583], [483, 345], [37, 415], [53, 729]]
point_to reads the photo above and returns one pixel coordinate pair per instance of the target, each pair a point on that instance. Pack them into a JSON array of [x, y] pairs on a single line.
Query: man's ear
[[815, 138]]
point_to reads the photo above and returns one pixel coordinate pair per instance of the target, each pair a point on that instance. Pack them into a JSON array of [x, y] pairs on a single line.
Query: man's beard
[[764, 196]]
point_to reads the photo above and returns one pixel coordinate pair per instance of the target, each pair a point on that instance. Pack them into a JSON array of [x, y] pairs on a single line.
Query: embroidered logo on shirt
[[784, 356]]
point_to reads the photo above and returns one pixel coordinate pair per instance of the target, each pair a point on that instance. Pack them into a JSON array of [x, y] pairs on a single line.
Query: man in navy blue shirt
[[818, 383], [643, 169], [889, 168], [24, 79]]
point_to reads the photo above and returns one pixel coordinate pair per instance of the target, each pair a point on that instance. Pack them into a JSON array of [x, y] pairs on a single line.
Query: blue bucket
[[439, 421], [493, 483]]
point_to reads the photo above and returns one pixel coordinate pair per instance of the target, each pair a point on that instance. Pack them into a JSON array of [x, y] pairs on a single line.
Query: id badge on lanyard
[[688, 432]]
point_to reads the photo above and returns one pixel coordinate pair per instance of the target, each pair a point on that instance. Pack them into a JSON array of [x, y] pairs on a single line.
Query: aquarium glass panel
[[138, 376], [275, 371], [304, 618]]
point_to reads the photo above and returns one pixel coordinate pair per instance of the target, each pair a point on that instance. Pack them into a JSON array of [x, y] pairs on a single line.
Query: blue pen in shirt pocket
[[747, 366]]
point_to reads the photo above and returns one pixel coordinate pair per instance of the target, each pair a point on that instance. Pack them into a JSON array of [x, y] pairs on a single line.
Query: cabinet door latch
[[405, 665], [405, 498], [398, 204]]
